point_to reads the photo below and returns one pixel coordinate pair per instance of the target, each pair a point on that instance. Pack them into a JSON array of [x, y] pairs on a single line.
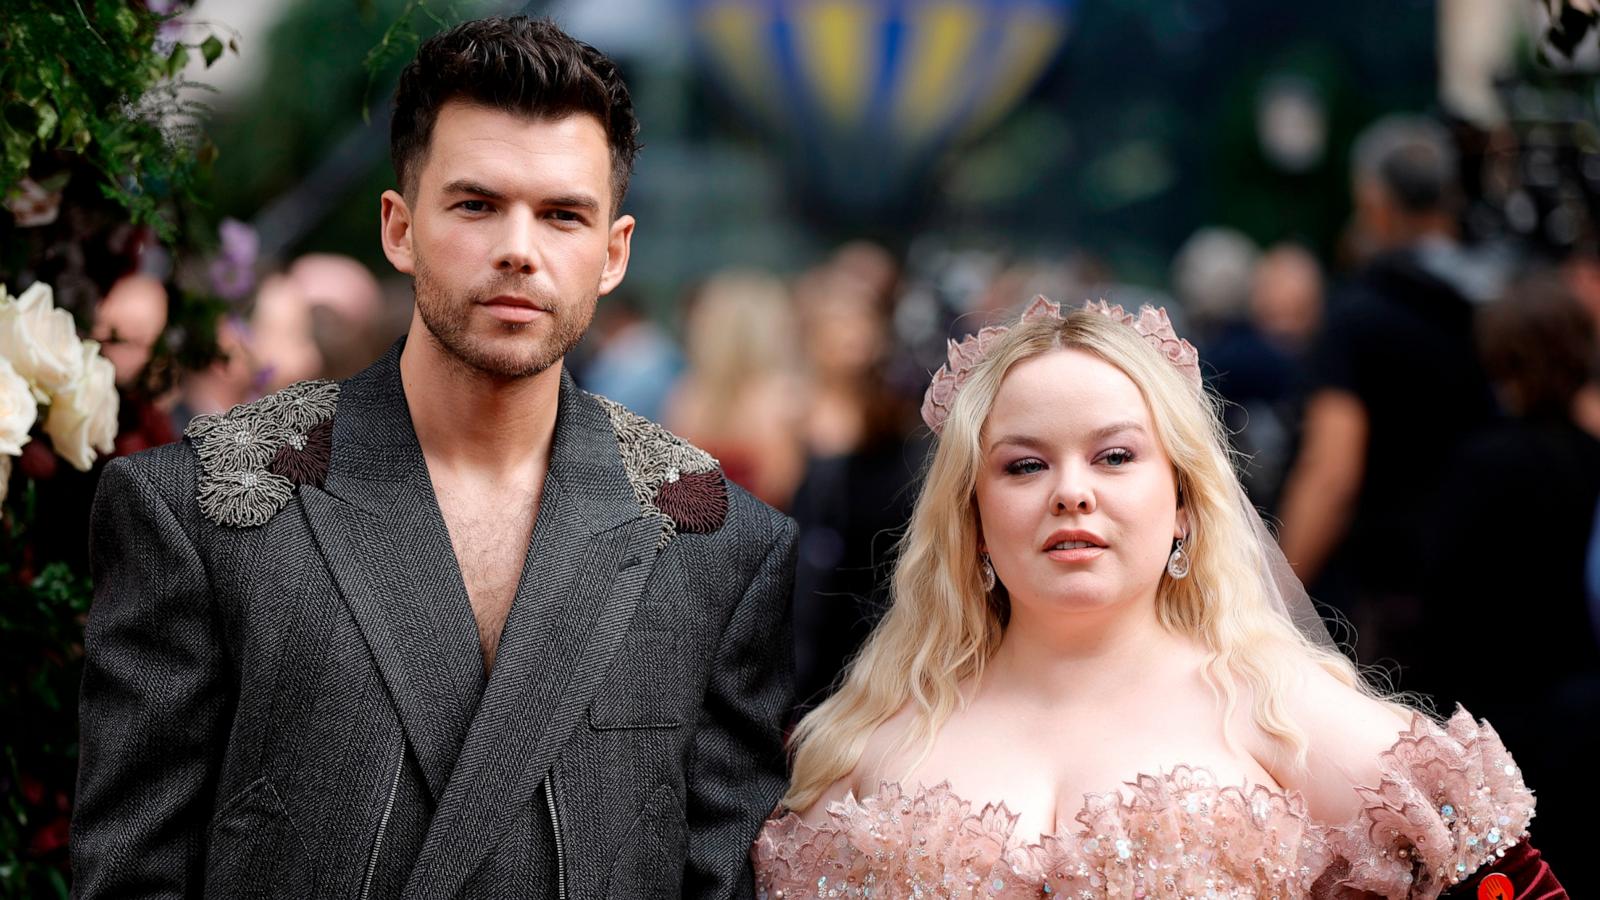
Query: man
[[453, 627], [1395, 387]]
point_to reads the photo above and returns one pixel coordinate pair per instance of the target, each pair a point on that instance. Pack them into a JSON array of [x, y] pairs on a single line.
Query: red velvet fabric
[[1528, 872]]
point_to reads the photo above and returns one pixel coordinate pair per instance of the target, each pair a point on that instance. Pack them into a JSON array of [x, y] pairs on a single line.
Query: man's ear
[[619, 243], [395, 225]]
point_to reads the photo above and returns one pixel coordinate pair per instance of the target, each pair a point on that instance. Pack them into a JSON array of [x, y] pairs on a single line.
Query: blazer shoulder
[[167, 471], [670, 477], [253, 457], [755, 517]]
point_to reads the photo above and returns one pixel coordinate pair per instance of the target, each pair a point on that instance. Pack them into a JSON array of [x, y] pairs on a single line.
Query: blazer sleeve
[[152, 711], [737, 771]]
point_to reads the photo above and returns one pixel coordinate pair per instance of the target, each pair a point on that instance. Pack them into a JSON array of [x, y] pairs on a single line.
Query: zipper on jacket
[[383, 825], [555, 829]]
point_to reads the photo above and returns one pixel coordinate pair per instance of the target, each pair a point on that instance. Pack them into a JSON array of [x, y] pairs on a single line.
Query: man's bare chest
[[489, 535]]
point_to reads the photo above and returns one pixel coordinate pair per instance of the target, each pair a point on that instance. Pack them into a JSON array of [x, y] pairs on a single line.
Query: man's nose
[[516, 250]]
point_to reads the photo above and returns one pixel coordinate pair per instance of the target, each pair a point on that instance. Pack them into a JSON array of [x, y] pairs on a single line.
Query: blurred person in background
[[861, 463], [1581, 272], [1286, 298], [1216, 275], [227, 381], [1393, 378], [740, 397], [349, 325], [282, 335], [127, 323], [632, 360], [1509, 546], [1211, 276]]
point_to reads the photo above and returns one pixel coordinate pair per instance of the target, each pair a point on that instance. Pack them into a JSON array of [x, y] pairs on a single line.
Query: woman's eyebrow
[[1018, 440], [1105, 431]]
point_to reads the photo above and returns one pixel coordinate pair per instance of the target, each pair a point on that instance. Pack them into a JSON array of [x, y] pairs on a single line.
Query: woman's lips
[[1076, 554]]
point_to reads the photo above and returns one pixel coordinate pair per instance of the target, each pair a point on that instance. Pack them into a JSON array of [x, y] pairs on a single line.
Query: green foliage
[[399, 41], [87, 79], [42, 609], [325, 65]]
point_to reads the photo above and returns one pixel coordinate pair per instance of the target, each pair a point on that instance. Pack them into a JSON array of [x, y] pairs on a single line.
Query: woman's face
[[1076, 497]]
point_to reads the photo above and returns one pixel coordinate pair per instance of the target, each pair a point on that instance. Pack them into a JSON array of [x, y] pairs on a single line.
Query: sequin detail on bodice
[[1449, 800]]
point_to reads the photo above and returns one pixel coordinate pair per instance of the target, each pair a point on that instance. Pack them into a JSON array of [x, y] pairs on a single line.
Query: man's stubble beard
[[449, 323]]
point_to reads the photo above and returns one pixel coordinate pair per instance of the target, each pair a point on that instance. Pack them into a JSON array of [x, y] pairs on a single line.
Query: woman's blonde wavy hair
[[942, 627]]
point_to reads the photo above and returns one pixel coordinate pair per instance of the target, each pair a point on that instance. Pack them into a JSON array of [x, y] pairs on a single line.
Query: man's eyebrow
[[574, 201], [468, 186]]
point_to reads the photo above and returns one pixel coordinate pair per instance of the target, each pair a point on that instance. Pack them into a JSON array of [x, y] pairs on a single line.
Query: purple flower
[[233, 271]]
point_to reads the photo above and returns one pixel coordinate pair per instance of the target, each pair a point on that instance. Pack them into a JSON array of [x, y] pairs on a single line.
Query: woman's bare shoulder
[[1347, 731], [882, 760]]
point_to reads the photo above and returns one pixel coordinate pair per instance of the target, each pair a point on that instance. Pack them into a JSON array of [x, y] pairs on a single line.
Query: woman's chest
[[1048, 776]]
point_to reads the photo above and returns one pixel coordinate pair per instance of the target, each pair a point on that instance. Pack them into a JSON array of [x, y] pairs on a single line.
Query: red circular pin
[[1495, 886]]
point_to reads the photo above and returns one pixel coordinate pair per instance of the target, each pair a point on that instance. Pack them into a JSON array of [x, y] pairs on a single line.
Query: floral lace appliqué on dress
[[1449, 800]]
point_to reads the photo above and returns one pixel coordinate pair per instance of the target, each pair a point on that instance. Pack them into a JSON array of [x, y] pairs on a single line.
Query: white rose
[[18, 410], [40, 341], [83, 416]]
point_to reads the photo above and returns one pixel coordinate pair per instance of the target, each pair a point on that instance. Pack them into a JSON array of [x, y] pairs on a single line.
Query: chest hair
[[489, 534]]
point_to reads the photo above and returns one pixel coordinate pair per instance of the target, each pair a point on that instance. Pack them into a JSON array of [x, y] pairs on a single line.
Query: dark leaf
[[211, 49], [178, 59]]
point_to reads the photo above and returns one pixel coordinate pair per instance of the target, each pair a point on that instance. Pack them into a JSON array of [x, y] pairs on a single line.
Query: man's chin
[[501, 356]]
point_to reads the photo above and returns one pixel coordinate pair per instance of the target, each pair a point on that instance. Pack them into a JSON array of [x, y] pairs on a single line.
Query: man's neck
[[470, 422]]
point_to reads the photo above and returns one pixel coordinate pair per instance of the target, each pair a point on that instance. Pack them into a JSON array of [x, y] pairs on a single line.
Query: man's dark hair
[[1413, 159], [1538, 344], [519, 65]]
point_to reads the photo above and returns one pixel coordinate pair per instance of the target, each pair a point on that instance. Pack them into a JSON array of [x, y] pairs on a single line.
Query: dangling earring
[[988, 572], [1178, 562]]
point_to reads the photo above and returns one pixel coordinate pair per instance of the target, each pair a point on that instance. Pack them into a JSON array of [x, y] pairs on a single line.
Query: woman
[[1085, 600], [739, 398]]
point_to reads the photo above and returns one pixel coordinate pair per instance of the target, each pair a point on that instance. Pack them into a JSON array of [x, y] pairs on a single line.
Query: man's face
[[509, 236]]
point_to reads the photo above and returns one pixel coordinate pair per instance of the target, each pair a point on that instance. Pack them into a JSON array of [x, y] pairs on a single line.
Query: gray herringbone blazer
[[299, 709]]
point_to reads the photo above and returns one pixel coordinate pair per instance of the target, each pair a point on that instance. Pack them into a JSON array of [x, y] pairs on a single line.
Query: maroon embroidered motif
[[697, 502], [304, 459]]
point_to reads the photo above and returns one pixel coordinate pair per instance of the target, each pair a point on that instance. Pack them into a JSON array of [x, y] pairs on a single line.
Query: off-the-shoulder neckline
[[838, 812]]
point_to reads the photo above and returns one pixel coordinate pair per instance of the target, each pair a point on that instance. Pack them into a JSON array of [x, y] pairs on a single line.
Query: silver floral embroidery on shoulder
[[253, 456], [655, 458]]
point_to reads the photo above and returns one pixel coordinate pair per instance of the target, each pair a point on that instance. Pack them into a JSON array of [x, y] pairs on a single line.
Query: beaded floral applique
[[963, 356], [671, 478], [253, 456], [1449, 801]]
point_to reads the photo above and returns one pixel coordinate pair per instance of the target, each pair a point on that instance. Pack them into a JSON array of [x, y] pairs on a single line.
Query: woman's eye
[[1024, 467], [1117, 458]]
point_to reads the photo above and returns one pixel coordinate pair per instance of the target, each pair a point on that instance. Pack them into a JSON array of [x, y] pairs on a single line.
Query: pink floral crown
[[1151, 323]]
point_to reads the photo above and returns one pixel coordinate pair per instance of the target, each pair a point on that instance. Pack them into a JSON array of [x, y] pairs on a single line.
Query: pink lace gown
[[1450, 800]]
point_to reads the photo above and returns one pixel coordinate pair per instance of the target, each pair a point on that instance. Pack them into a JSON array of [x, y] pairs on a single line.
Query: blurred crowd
[[1419, 412]]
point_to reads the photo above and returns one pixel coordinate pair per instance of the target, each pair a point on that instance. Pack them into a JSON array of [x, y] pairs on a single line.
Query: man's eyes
[[564, 216]]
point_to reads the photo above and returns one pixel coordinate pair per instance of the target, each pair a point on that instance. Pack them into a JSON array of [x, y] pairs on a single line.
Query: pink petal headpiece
[[1151, 323]]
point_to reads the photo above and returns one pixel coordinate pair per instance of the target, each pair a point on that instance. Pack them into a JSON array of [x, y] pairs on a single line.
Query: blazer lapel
[[590, 557], [377, 524]]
